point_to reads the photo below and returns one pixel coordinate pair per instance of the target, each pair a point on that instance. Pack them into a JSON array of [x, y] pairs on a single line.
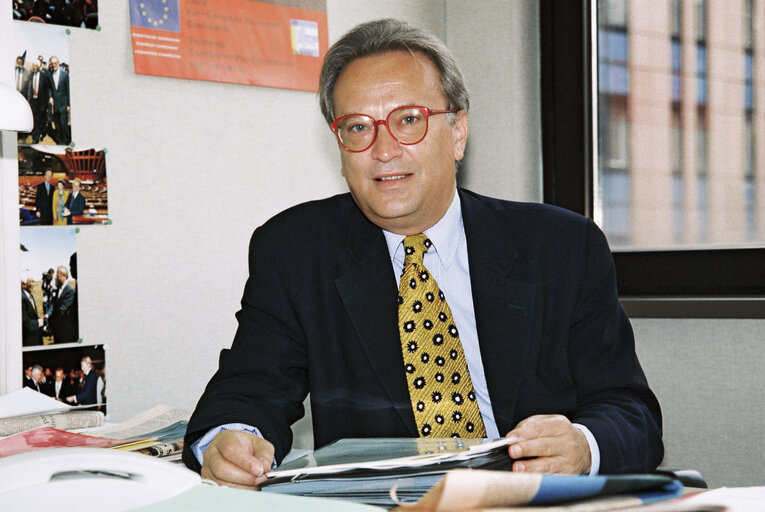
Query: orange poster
[[278, 43]]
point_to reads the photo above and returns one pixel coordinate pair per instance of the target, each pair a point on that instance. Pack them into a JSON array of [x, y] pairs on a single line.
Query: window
[[671, 175]]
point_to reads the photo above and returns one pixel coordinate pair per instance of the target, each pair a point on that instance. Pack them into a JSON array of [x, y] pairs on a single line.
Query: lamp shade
[[15, 113]]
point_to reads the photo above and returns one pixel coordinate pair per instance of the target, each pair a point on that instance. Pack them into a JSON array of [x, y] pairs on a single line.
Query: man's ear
[[460, 130]]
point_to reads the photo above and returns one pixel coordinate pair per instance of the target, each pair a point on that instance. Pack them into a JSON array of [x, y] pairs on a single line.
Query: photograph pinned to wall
[[277, 43], [70, 13], [49, 289], [63, 373], [62, 186], [41, 75]]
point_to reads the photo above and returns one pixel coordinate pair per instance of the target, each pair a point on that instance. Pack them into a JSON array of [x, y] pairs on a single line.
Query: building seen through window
[[681, 123]]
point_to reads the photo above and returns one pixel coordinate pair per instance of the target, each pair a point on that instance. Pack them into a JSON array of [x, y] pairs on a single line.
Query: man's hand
[[237, 459], [552, 444]]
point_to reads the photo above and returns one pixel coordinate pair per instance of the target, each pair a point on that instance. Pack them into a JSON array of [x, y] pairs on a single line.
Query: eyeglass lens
[[407, 125]]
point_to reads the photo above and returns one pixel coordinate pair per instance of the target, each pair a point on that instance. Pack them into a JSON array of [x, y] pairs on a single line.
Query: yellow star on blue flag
[[156, 14]]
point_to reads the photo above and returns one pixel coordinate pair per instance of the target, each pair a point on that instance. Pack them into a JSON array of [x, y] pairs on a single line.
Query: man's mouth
[[392, 178]]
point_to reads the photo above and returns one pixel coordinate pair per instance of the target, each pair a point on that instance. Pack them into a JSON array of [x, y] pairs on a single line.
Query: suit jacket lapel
[[504, 307], [369, 297]]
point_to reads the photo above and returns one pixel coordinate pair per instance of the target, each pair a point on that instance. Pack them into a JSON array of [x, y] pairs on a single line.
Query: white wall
[[497, 43], [709, 378]]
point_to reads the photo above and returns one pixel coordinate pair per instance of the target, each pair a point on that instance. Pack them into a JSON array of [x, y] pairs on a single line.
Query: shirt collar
[[445, 235]]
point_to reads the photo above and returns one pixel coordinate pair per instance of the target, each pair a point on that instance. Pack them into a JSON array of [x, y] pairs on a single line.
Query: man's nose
[[385, 147]]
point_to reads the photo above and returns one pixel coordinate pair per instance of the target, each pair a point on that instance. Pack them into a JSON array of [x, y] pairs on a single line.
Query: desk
[[100, 480], [207, 497]]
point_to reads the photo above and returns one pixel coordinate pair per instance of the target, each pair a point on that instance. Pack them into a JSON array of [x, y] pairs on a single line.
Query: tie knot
[[415, 246]]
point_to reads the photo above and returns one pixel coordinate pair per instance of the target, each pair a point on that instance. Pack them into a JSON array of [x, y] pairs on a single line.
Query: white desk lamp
[[15, 113]]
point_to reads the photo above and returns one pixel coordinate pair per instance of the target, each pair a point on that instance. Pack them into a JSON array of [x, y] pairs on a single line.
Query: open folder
[[365, 470]]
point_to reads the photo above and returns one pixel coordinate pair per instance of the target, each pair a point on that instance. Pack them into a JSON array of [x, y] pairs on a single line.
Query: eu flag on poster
[[155, 14]]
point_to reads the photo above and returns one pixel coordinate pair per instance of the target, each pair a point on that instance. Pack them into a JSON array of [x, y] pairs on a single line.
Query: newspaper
[[144, 424], [163, 449], [63, 421]]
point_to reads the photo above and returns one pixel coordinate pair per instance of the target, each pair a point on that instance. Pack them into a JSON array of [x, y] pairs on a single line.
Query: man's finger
[[541, 426], [236, 458], [549, 465], [540, 447], [222, 471], [244, 457]]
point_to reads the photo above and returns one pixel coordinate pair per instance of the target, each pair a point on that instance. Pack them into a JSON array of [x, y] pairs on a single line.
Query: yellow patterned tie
[[442, 394]]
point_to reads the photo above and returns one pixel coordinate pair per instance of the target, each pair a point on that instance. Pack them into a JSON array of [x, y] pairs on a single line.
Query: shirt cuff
[[199, 446], [594, 449]]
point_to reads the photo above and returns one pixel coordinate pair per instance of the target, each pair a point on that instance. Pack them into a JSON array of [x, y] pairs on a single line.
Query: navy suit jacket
[[64, 320], [87, 394], [43, 95], [59, 94], [319, 315], [76, 206], [30, 325], [44, 202]]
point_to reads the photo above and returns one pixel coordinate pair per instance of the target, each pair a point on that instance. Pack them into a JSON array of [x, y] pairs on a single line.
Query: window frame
[[692, 283]]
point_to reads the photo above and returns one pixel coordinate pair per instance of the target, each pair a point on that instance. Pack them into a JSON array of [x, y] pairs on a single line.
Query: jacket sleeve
[[613, 397], [88, 389], [262, 380]]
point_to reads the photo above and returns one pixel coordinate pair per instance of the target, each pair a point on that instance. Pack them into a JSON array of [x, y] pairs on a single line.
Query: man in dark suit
[[549, 350], [19, 74], [44, 200], [60, 388], [29, 382], [31, 323], [64, 321], [75, 203], [87, 393], [32, 380], [36, 91], [59, 98]]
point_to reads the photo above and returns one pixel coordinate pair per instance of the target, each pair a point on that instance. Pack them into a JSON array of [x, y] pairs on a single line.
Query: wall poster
[[277, 43]]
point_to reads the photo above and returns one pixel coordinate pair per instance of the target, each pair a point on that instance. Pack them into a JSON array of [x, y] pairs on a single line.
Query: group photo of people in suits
[[54, 205], [75, 376], [49, 290], [45, 85], [49, 315], [52, 193]]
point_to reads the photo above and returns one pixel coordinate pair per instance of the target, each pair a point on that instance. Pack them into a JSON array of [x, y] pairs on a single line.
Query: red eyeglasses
[[407, 125]]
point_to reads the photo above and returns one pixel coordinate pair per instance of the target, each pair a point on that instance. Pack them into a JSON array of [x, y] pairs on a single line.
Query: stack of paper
[[167, 425], [26, 409], [365, 470]]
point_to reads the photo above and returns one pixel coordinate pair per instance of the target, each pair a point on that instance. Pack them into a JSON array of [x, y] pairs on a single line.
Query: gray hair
[[383, 36]]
